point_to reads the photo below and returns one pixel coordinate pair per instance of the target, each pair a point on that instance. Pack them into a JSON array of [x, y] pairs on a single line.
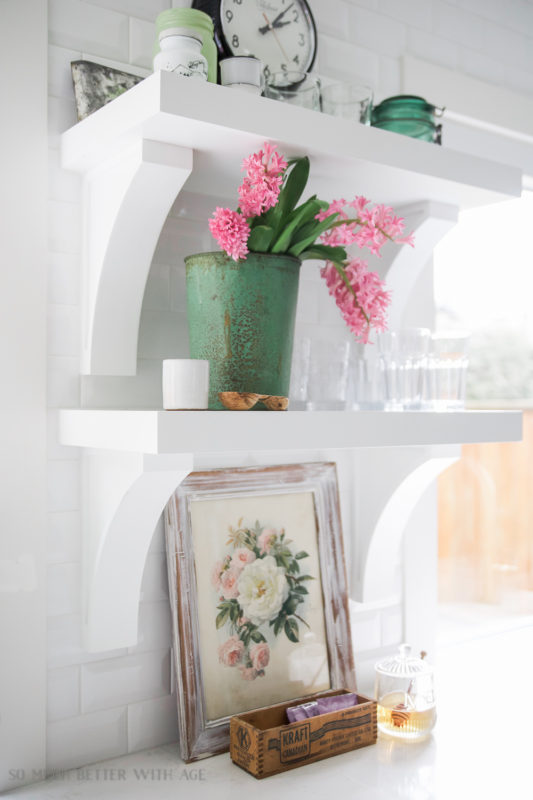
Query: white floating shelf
[[222, 126], [171, 432]]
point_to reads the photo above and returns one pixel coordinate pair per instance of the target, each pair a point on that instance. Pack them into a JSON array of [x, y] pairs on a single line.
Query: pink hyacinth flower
[[231, 231]]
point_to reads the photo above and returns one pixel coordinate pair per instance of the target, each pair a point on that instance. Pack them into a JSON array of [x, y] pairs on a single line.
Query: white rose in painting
[[263, 589]]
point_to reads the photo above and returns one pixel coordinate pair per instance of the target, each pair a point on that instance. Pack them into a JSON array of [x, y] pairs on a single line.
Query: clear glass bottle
[[405, 695], [181, 53]]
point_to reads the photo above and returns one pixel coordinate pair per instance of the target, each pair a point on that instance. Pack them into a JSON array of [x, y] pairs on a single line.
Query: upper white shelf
[[172, 432], [222, 126]]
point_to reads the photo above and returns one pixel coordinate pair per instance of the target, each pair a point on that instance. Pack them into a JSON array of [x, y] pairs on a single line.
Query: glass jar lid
[[403, 664], [189, 32], [406, 105], [174, 17]]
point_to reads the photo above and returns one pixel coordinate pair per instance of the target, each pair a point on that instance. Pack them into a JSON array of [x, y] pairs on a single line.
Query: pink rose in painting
[[215, 574], [260, 655], [267, 539], [241, 557], [228, 583], [248, 673], [231, 652]]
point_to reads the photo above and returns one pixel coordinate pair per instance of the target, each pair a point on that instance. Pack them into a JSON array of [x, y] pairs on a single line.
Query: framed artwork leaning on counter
[[258, 594]]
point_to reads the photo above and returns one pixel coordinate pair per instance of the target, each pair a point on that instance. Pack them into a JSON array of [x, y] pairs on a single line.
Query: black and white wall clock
[[282, 33]]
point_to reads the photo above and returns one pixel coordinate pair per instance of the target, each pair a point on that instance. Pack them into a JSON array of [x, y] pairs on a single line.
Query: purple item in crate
[[328, 704], [306, 710]]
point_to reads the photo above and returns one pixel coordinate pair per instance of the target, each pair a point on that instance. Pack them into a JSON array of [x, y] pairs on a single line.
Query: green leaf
[[260, 239], [291, 191], [299, 216], [301, 554], [222, 617], [234, 613], [319, 228], [305, 578], [324, 252], [256, 636], [294, 566], [301, 589], [291, 630], [278, 625], [291, 604]]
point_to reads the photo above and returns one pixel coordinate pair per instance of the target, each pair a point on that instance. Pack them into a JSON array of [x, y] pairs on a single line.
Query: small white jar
[[181, 53], [244, 73], [185, 384]]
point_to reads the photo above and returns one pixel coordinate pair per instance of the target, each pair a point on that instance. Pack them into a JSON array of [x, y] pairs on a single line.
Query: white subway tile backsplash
[[178, 295], [63, 693], [152, 723], [435, 49], [64, 537], [376, 32], [59, 74], [332, 18], [162, 334], [61, 116], [505, 45], [63, 589], [83, 26], [307, 309], [154, 627], [391, 626], [519, 80], [64, 227], [478, 65], [63, 330], [64, 278], [346, 61], [118, 681], [457, 25], [62, 184], [141, 391], [416, 13], [63, 386], [146, 9], [157, 292], [54, 450], [83, 739], [63, 485], [389, 78], [64, 643], [142, 39], [366, 632]]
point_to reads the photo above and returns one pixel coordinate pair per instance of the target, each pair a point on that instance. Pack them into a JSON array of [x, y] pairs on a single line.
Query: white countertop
[[481, 748]]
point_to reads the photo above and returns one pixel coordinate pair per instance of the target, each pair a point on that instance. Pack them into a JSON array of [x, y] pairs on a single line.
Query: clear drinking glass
[[328, 375], [446, 370], [299, 373], [404, 358], [365, 379], [296, 88], [348, 101]]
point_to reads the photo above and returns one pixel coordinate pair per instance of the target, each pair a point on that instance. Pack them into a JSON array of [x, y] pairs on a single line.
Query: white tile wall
[[104, 704]]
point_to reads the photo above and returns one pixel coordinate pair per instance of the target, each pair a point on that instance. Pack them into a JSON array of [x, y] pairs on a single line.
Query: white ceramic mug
[[185, 384]]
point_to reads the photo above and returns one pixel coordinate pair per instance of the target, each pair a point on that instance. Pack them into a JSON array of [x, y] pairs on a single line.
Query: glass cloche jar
[[405, 695]]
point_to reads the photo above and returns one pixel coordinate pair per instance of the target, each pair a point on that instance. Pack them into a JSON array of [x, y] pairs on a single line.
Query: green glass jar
[[410, 116], [191, 18]]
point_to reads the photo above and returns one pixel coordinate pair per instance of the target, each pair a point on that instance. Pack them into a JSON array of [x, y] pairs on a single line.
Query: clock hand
[[285, 56], [266, 29], [275, 21]]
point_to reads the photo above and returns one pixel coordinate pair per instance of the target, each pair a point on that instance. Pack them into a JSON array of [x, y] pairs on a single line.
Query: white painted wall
[[101, 705]]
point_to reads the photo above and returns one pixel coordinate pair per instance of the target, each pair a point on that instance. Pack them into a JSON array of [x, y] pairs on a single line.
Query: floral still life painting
[[258, 594], [260, 586]]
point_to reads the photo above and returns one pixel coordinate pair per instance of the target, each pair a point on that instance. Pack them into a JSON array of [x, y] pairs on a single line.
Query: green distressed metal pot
[[241, 319]]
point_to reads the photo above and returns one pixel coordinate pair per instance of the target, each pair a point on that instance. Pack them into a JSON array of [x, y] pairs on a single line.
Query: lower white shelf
[[166, 432]]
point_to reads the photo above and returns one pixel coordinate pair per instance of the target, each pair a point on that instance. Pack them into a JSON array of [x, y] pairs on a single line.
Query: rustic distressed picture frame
[[204, 728]]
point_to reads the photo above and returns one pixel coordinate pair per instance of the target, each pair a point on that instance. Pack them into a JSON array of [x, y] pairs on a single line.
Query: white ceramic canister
[[181, 53], [185, 384]]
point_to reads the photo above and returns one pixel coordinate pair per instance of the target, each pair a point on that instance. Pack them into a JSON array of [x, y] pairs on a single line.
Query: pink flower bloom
[[215, 574], [372, 298], [241, 557], [231, 231], [261, 186], [248, 673], [231, 652], [267, 539], [372, 227], [260, 655], [228, 583]]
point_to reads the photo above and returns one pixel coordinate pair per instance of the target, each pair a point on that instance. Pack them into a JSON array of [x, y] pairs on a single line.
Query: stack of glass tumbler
[[405, 370]]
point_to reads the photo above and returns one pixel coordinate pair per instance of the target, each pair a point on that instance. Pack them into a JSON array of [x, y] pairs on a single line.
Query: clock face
[[279, 32]]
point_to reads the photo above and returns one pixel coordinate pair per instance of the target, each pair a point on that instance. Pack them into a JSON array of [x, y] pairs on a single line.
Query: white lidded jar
[[181, 53]]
